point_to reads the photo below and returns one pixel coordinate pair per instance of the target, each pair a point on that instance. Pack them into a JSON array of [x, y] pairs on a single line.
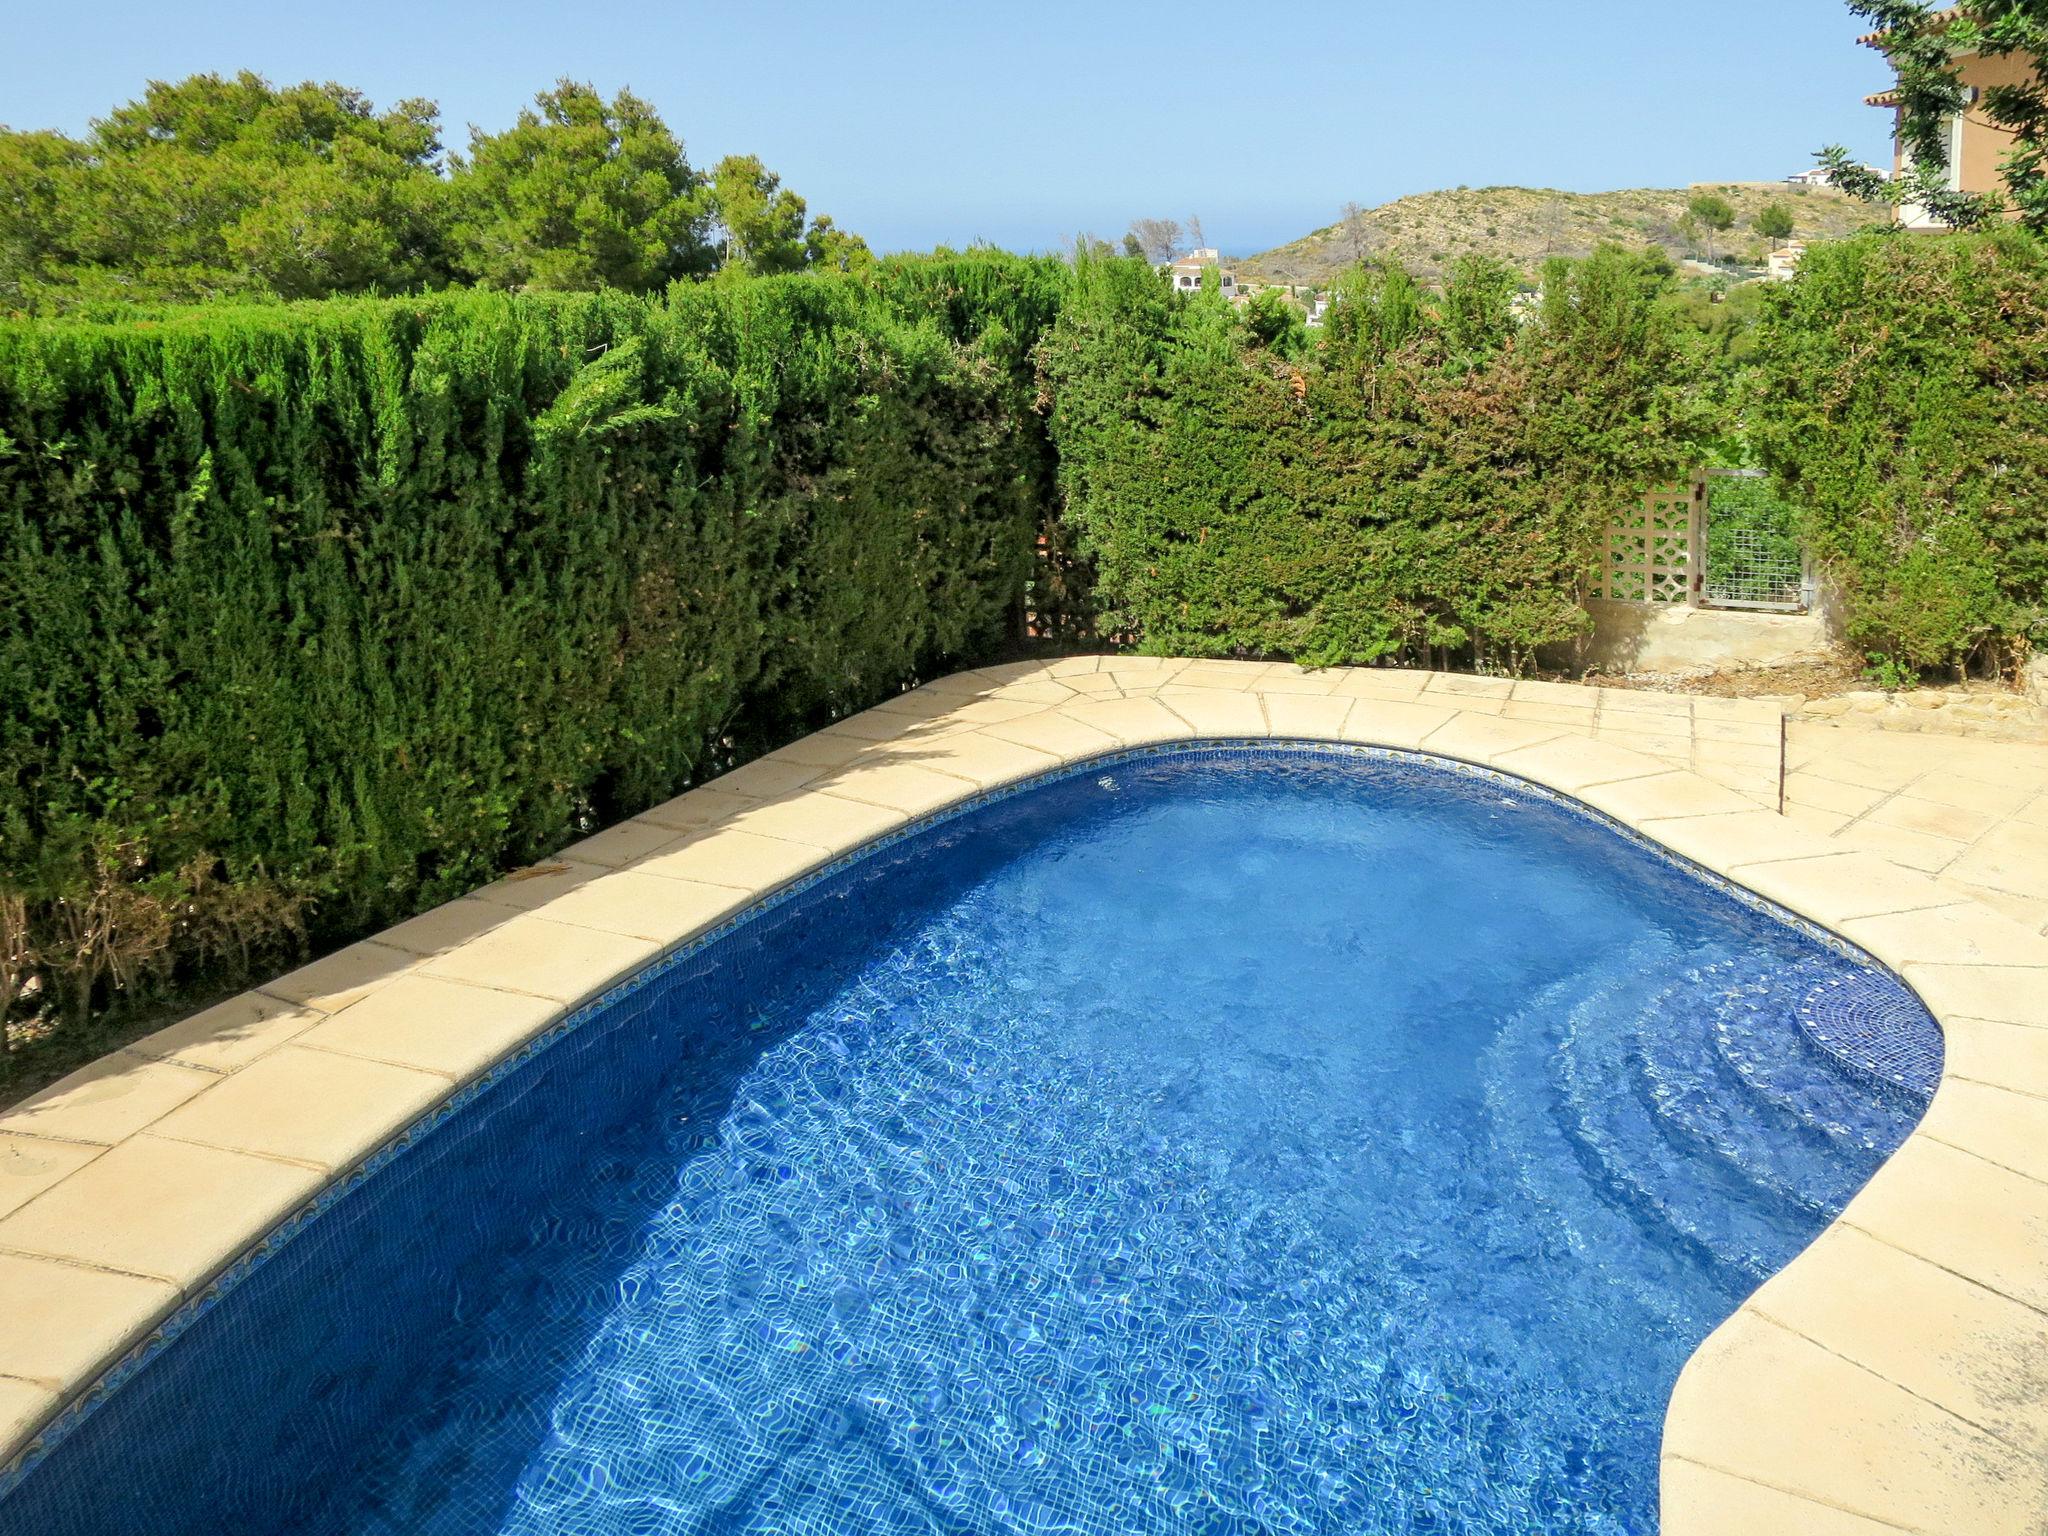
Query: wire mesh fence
[[1753, 555], [1723, 539]]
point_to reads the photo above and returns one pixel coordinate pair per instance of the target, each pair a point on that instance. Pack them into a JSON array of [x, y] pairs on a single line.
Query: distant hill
[[1524, 225]]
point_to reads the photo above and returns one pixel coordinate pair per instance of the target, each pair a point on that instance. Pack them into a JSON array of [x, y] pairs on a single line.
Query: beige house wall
[[1983, 145]]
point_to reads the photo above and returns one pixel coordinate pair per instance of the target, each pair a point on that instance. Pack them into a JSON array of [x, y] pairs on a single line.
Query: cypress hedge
[[318, 614], [1427, 483], [1899, 390]]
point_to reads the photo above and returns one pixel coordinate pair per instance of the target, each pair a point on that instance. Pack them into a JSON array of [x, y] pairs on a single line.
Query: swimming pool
[[1204, 1140]]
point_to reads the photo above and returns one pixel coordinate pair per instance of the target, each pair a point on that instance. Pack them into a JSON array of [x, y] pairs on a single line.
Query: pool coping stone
[[129, 1189]]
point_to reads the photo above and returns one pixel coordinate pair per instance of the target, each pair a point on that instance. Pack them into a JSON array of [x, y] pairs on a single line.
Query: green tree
[[760, 221], [580, 194], [354, 222], [1923, 44], [1713, 214], [759, 225], [1695, 235], [1274, 321], [214, 186], [1896, 392], [1477, 310], [1397, 492], [832, 249], [556, 555], [1774, 221], [40, 176], [1373, 312]]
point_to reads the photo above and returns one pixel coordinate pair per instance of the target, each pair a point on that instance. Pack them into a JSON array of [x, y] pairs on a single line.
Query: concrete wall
[[1670, 637]]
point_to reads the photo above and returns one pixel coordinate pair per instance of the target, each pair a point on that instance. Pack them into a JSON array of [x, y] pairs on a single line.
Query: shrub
[[1900, 393], [1433, 480], [319, 614], [1273, 320]]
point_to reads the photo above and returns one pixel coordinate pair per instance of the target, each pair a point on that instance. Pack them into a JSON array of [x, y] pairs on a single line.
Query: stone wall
[[1971, 709]]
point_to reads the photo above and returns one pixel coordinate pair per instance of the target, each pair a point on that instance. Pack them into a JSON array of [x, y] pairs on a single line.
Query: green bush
[[1433, 481], [318, 614], [1900, 393]]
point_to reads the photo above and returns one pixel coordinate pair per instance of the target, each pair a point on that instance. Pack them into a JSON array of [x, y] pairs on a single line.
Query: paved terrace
[[1893, 1378], [1973, 814]]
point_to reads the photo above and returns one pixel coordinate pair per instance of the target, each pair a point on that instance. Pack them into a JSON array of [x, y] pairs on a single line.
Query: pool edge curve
[[1808, 1409]]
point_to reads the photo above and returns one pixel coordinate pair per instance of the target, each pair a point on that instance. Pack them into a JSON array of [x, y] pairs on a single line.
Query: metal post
[[1783, 730], [1696, 544]]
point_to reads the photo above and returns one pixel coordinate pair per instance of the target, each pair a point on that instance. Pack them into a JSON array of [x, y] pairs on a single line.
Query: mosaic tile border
[[1893, 1056], [79, 1408]]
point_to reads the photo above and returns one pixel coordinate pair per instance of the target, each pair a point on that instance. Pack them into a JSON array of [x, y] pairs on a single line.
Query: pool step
[[1709, 1205], [1687, 1103], [1702, 1102], [1762, 1043], [1530, 1126]]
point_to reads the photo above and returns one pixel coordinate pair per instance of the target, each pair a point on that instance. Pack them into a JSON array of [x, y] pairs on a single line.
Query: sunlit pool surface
[[1208, 1141]]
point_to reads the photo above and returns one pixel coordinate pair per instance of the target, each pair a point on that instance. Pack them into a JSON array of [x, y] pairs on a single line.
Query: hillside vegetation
[[1523, 225], [232, 188]]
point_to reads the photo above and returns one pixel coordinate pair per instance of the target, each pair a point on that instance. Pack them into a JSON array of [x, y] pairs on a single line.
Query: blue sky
[[1025, 123]]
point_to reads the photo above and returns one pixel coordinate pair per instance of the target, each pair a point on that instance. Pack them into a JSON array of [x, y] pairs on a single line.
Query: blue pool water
[[1207, 1141]]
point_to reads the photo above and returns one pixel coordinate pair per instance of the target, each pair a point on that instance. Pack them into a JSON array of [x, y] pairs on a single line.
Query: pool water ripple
[[1276, 1142]]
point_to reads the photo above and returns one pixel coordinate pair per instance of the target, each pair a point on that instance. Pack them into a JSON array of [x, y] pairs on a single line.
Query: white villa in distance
[[1187, 272], [1820, 176]]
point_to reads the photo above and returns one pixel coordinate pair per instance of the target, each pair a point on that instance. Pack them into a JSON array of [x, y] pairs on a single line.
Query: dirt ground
[[1818, 679]]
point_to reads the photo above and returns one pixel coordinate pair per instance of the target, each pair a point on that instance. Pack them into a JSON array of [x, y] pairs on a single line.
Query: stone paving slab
[[1889, 1379], [1972, 815]]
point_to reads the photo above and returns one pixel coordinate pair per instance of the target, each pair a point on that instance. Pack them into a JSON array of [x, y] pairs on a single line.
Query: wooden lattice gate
[[1653, 549], [1672, 547]]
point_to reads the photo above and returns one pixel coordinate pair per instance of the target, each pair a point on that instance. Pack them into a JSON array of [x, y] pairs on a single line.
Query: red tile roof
[[1938, 18]]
